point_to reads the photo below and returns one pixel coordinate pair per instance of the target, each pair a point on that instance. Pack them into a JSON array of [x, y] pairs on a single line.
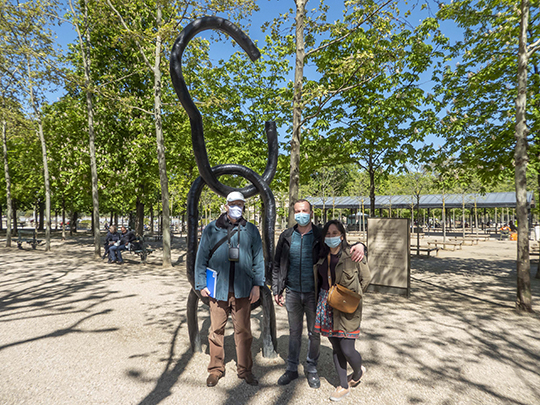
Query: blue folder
[[211, 276]]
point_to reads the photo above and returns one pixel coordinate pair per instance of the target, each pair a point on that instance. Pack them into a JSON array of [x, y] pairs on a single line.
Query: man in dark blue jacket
[[239, 265], [296, 252]]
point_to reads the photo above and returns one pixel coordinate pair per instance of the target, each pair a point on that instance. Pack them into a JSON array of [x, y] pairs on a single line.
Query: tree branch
[[349, 33], [128, 30], [534, 47], [331, 95]]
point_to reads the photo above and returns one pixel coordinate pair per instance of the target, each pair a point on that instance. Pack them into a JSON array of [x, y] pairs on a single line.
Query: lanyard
[[230, 235]]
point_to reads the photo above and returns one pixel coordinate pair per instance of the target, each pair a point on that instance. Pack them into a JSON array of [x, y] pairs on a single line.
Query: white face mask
[[235, 212]]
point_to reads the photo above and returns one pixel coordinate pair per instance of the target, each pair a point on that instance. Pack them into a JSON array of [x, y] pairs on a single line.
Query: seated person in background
[[513, 227], [115, 251], [111, 238]]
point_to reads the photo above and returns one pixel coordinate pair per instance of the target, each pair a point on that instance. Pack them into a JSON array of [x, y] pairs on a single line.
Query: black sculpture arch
[[209, 175]]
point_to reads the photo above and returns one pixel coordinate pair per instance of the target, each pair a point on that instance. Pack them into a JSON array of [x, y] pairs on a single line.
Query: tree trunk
[[45, 164], [93, 166], [139, 218], [418, 225], [443, 218], [47, 188], [372, 193], [15, 217], [84, 44], [63, 218], [164, 181], [41, 210], [151, 220], [9, 214], [294, 179], [73, 222], [524, 297], [463, 214]]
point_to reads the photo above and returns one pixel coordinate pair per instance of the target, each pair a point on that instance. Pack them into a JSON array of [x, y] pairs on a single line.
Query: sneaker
[[354, 383], [287, 377], [340, 393], [313, 380]]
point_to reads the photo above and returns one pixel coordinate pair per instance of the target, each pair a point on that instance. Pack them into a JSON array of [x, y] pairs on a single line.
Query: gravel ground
[[76, 331]]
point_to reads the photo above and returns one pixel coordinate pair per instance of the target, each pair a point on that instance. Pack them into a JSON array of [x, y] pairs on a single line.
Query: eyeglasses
[[236, 204]]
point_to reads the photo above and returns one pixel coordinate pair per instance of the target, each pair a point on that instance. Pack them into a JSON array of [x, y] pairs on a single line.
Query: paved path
[[74, 331]]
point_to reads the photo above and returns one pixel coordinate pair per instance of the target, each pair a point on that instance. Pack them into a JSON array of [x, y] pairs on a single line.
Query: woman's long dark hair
[[324, 248]]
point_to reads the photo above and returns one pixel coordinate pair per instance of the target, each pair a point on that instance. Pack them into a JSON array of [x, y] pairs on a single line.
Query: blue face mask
[[302, 218], [333, 242]]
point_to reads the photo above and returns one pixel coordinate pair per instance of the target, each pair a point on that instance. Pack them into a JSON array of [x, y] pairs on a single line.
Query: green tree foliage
[[489, 107], [30, 60], [377, 121], [478, 93]]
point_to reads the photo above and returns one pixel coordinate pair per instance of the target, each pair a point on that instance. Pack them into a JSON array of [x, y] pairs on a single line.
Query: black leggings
[[343, 353]]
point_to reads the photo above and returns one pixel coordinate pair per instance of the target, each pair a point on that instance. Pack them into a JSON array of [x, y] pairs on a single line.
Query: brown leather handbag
[[341, 298]]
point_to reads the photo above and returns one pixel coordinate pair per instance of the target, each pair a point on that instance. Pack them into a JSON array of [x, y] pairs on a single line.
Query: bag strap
[[231, 234], [329, 275], [221, 242]]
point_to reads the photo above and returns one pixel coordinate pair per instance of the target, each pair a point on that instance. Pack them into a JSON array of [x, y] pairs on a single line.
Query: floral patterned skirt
[[324, 320]]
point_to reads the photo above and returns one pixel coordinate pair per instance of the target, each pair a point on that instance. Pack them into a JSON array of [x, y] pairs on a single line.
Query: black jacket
[[127, 237], [111, 237], [281, 258]]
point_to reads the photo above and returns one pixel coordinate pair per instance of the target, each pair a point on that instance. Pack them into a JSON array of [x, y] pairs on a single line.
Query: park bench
[[157, 236], [504, 234], [455, 245], [356, 237], [467, 239], [139, 248], [427, 250], [28, 237]]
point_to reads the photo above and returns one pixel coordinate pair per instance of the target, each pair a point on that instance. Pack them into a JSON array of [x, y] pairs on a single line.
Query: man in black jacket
[[296, 252]]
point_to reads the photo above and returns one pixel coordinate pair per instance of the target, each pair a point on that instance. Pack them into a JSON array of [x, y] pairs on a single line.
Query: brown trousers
[[240, 310]]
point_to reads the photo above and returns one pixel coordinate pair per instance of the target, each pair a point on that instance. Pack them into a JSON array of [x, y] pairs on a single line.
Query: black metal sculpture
[[209, 175]]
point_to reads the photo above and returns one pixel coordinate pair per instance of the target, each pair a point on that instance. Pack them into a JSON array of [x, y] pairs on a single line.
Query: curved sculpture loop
[[210, 176]]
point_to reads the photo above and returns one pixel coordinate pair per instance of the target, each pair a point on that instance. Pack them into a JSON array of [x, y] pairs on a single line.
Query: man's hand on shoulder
[[357, 252]]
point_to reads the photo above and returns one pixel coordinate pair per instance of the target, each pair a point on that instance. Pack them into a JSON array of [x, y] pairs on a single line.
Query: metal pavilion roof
[[488, 200]]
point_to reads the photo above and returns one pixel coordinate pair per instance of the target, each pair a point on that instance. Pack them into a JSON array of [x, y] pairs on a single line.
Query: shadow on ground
[[457, 335]]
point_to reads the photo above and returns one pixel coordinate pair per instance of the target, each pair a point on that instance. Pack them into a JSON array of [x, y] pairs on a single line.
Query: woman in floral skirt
[[342, 329]]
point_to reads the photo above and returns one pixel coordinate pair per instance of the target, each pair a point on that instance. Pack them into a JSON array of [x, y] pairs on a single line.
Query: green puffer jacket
[[354, 276]]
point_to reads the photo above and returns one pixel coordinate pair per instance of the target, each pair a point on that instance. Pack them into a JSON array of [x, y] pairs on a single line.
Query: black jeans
[[297, 305]]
